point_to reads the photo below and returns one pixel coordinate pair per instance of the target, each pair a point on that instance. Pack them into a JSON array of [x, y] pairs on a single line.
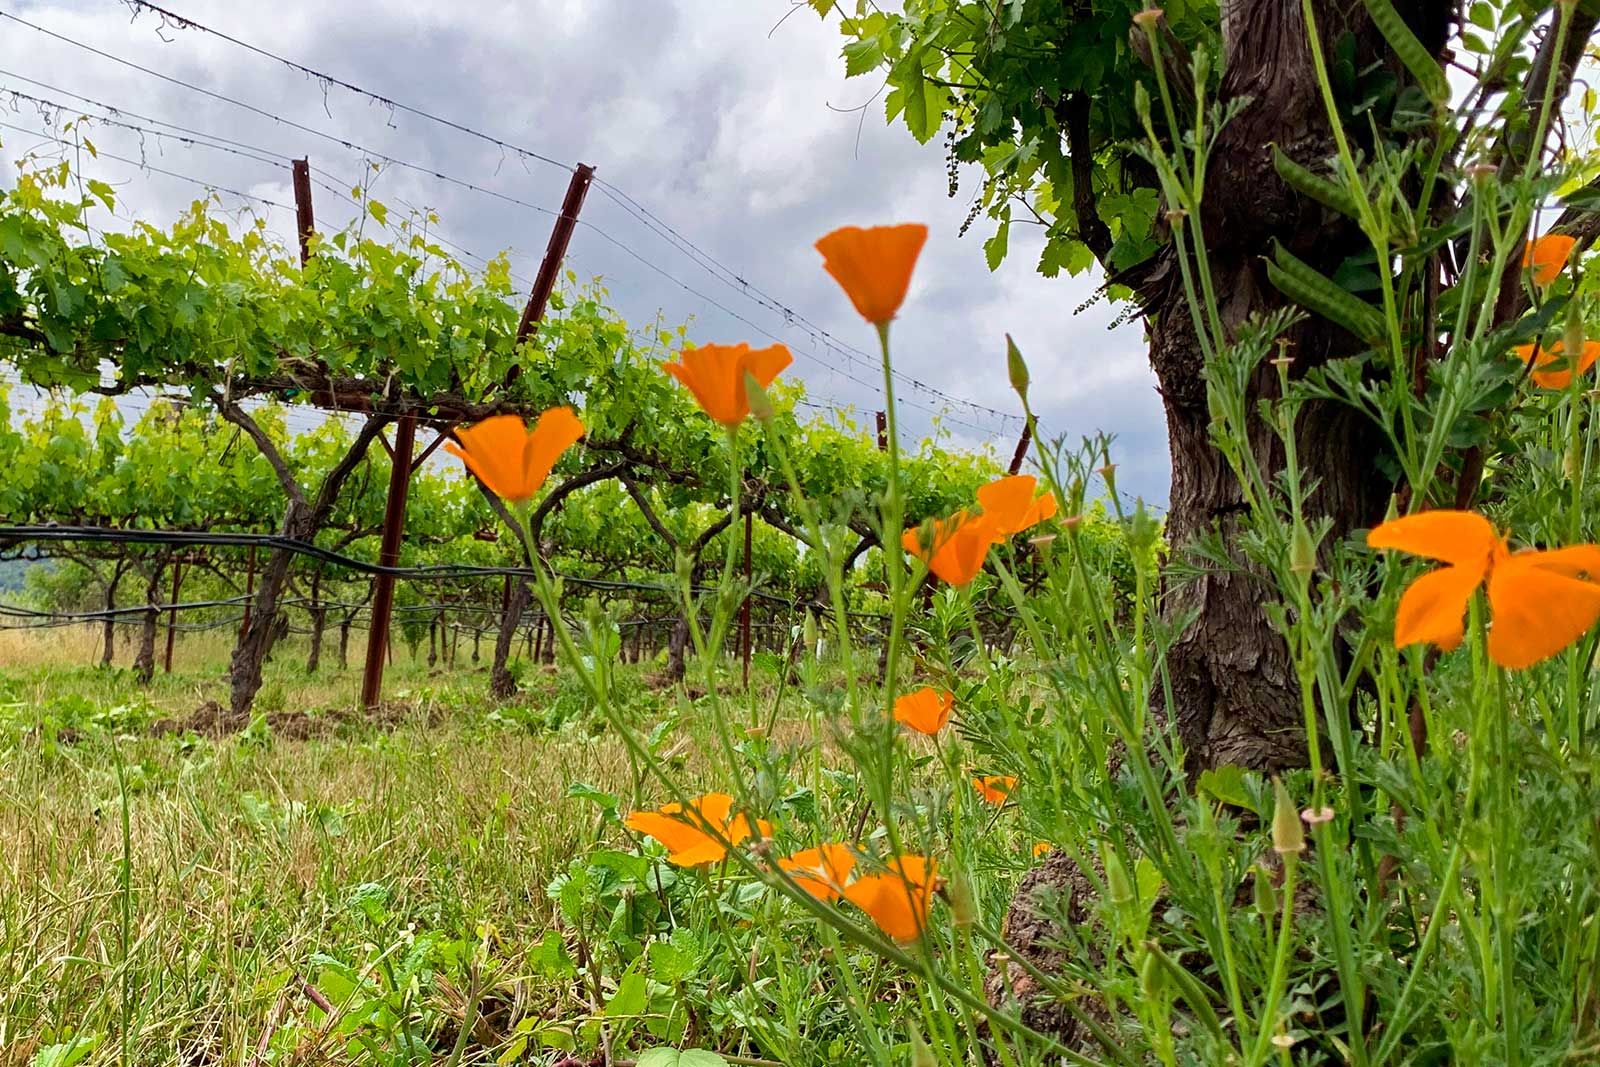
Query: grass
[[255, 864]]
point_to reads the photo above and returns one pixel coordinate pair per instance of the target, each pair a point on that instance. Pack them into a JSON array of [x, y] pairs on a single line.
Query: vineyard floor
[[267, 872]]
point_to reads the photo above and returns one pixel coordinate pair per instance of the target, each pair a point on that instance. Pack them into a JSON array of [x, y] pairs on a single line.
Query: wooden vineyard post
[[394, 516], [394, 511], [305, 221], [1022, 449], [883, 432]]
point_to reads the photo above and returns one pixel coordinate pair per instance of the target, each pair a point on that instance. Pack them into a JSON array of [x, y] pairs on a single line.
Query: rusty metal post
[[744, 609], [1022, 449], [883, 432], [305, 220], [550, 268], [394, 516], [172, 616]]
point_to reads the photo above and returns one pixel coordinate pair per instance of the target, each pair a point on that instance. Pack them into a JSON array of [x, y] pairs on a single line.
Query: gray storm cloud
[[732, 124]]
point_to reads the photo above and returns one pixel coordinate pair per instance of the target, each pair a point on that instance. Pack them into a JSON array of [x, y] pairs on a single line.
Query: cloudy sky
[[733, 125]]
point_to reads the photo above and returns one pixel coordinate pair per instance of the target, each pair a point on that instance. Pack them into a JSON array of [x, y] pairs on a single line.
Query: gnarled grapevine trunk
[[250, 654], [144, 664], [301, 521], [501, 684], [319, 623], [1234, 696], [108, 634]]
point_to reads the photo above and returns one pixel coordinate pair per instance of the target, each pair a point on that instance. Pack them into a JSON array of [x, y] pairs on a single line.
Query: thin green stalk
[[1280, 961]]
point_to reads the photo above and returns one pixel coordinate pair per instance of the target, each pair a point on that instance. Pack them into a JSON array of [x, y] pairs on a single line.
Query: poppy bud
[[1141, 101], [963, 904], [1119, 890], [1152, 979], [1265, 894], [1572, 339], [809, 632], [1016, 368], [1288, 835], [1302, 553], [1202, 69]]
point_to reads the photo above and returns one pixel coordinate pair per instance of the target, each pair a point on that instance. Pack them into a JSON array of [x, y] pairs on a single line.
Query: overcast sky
[[734, 125]]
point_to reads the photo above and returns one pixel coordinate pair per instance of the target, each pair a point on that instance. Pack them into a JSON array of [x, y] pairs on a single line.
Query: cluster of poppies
[[896, 899], [954, 548], [1545, 258], [927, 710], [1541, 601], [873, 266]]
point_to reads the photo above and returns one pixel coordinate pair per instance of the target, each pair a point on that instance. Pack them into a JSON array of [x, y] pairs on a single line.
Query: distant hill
[[12, 572]]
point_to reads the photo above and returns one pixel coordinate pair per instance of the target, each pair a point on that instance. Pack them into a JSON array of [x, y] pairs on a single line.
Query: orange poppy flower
[[701, 835], [898, 900], [821, 871], [925, 710], [1011, 507], [1547, 255], [1562, 376], [512, 460], [1540, 602], [1042, 848], [956, 547], [715, 375], [995, 788], [874, 265]]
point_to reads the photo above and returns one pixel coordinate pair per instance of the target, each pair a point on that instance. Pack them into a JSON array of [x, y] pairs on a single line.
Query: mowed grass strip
[[252, 857]]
